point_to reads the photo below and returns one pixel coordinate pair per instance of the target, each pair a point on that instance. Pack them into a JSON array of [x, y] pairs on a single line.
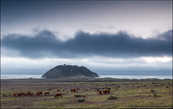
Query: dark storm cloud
[[18, 10], [45, 44]]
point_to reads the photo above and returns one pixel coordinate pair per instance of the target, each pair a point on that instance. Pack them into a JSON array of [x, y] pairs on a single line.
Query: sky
[[106, 36]]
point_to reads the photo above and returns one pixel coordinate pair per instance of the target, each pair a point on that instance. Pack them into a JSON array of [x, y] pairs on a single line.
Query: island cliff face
[[65, 71]]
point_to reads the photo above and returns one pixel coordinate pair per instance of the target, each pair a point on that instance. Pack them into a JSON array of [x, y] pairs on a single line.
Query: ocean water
[[137, 76], [19, 76], [26, 76]]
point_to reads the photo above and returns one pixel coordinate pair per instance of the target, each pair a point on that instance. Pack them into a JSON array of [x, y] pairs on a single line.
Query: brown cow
[[14, 94], [39, 93], [97, 90], [46, 93], [103, 91], [21, 94], [29, 93], [74, 90], [100, 92], [58, 95], [106, 92]]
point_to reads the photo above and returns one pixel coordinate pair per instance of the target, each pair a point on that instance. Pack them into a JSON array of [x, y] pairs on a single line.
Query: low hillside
[[64, 71]]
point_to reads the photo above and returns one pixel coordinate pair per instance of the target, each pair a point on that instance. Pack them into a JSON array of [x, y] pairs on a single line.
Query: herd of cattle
[[59, 92]]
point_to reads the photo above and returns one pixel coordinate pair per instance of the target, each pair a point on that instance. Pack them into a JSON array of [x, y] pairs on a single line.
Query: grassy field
[[123, 94]]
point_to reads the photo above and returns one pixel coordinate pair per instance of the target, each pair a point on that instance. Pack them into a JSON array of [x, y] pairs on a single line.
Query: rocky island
[[68, 71]]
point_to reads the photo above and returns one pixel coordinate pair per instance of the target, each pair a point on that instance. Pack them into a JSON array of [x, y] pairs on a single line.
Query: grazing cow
[[97, 90], [103, 91], [106, 92], [100, 92], [30, 93], [58, 95], [17, 94], [46, 93], [21, 94], [39, 93], [74, 90], [14, 94]]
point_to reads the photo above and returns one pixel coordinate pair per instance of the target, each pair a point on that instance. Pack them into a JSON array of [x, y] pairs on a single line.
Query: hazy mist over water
[[27, 76], [119, 75]]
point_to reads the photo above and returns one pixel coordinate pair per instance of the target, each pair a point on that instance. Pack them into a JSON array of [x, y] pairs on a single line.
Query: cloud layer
[[46, 44]]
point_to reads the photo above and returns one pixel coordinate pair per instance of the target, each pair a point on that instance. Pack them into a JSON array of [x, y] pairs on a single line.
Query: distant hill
[[65, 71]]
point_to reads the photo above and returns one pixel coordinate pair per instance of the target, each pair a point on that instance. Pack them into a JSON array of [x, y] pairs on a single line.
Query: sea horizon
[[118, 76]]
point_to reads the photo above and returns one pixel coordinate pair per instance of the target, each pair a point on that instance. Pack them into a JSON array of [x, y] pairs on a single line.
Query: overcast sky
[[106, 36]]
